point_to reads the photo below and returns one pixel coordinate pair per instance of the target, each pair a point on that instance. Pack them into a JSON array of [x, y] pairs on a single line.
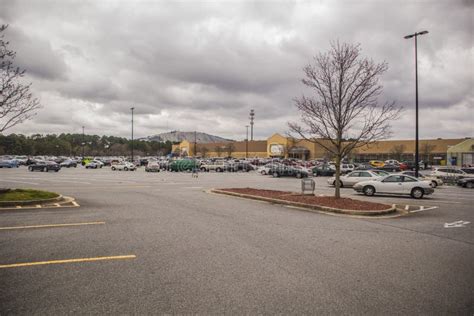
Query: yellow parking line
[[51, 225], [27, 264]]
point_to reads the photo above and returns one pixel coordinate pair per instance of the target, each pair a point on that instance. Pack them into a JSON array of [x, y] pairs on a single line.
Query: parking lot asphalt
[[149, 243]]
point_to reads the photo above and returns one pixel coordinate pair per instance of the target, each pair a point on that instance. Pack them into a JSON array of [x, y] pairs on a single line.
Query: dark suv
[[44, 166]]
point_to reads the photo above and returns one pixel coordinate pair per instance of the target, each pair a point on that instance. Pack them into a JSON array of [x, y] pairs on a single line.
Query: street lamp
[[83, 143], [247, 143], [417, 153], [132, 132]]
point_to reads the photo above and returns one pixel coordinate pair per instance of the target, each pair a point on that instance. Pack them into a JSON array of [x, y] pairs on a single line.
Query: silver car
[[354, 177]]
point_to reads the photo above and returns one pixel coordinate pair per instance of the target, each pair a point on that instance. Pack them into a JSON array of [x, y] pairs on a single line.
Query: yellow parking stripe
[[52, 225], [28, 264]]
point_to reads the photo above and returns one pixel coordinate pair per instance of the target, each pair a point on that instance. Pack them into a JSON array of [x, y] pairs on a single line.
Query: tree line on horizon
[[74, 144]]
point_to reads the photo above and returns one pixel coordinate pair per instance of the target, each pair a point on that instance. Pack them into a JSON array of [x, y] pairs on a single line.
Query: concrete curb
[[65, 202], [30, 202], [390, 210]]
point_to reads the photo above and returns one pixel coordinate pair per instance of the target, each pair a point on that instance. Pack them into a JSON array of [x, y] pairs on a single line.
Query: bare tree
[[16, 101], [230, 148], [203, 150], [397, 151], [344, 113], [218, 150], [426, 150]]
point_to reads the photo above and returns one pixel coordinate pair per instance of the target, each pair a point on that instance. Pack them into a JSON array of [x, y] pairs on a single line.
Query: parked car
[[288, 171], [390, 168], [68, 163], [354, 177], [346, 168], [125, 166], [468, 170], [94, 164], [218, 166], [376, 163], [264, 170], [44, 166], [152, 166], [323, 170], [466, 183], [395, 184], [450, 172], [9, 164], [435, 182]]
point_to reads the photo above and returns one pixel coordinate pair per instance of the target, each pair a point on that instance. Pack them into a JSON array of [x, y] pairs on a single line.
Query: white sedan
[[125, 166], [354, 177], [395, 184]]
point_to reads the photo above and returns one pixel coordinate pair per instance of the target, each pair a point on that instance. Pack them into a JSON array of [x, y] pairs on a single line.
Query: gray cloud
[[204, 65]]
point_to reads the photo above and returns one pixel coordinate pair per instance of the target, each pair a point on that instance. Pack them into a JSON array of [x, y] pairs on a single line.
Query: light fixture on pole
[[417, 152], [132, 132]]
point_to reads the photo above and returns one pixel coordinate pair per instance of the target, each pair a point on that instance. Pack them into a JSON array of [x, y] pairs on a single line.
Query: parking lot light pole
[[83, 143], [417, 153], [247, 143], [132, 131]]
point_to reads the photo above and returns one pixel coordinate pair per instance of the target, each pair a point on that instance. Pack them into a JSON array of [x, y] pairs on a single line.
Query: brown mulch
[[327, 201]]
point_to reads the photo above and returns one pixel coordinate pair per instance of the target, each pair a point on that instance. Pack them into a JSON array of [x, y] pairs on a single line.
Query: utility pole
[[251, 117], [247, 143], [132, 132], [417, 152]]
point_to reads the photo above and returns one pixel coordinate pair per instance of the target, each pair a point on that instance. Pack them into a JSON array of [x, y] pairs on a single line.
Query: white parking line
[[7, 180]]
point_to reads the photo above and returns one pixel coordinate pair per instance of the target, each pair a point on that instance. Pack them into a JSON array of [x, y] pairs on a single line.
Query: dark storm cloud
[[204, 65]]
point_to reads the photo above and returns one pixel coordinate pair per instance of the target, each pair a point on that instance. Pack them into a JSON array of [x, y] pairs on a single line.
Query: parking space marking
[[28, 264], [52, 225], [33, 183]]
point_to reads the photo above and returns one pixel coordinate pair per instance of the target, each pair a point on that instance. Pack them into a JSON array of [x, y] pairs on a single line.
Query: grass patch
[[26, 195]]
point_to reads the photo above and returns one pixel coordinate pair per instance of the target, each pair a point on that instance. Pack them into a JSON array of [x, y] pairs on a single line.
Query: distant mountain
[[177, 136]]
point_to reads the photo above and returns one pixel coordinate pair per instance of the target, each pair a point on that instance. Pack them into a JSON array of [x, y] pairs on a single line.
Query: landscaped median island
[[322, 203], [27, 198]]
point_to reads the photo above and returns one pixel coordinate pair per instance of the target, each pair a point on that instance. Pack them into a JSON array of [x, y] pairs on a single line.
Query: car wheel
[[113, 169], [56, 170], [315, 174], [433, 184], [125, 169], [218, 170], [298, 175], [203, 169], [45, 169], [340, 183], [263, 172], [30, 168], [469, 185], [417, 193], [276, 174], [369, 190]]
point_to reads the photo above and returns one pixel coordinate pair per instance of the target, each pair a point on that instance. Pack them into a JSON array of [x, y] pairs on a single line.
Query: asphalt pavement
[[154, 243]]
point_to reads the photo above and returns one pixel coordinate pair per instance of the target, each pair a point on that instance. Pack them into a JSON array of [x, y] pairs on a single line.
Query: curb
[[31, 202], [65, 202], [390, 210]]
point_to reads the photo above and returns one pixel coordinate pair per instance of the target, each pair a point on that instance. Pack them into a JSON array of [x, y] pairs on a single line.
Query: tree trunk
[[338, 174]]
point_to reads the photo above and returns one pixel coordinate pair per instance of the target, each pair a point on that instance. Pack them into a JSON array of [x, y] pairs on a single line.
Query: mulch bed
[[326, 201]]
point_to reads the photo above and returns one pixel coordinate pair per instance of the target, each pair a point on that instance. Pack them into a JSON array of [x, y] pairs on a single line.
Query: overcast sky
[[202, 65]]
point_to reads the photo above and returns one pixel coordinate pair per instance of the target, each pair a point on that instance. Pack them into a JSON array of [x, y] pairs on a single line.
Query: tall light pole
[[251, 117], [132, 132], [247, 143], [83, 143], [417, 152]]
